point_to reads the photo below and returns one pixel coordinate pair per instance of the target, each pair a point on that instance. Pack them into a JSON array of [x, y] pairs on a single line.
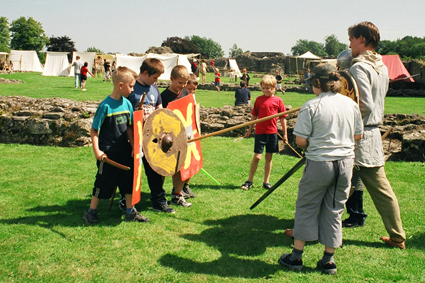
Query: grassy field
[[45, 190]]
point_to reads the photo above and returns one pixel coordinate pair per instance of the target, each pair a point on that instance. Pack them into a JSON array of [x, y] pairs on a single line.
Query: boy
[[179, 78], [279, 80], [242, 95], [112, 134], [150, 70], [217, 79], [265, 132], [107, 68], [327, 127]]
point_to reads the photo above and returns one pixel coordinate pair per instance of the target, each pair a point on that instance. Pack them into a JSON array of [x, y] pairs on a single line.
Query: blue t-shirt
[[152, 95], [112, 118]]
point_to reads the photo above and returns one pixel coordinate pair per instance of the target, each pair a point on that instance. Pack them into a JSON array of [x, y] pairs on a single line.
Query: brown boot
[[390, 242], [289, 233]]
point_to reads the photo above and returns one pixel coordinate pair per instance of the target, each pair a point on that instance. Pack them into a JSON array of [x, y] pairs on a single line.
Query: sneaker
[[247, 185], [84, 89], [188, 191], [163, 208], [135, 216], [179, 200], [267, 186], [390, 242], [122, 205], [296, 264], [351, 222], [184, 194], [91, 217], [328, 268]]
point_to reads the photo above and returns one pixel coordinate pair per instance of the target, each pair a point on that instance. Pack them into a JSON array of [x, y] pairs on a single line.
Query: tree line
[[28, 34]]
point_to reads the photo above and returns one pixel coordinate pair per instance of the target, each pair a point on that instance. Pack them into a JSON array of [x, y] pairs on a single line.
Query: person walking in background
[[217, 79], [84, 71], [107, 68], [77, 71], [204, 71]]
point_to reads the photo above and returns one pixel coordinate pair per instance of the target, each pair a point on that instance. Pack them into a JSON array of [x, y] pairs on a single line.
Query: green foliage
[[235, 51], [94, 49], [304, 45], [408, 47], [333, 47], [61, 44], [27, 34], [4, 35], [180, 45], [206, 46]]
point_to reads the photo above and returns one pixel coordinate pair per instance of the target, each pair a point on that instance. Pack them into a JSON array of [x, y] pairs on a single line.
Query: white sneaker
[[179, 200]]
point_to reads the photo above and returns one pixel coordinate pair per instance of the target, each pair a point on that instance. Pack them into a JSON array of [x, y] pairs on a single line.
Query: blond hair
[[268, 80], [180, 71], [123, 74]]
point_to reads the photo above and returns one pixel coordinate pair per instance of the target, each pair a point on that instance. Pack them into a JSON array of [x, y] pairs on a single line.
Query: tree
[[4, 35], [206, 46], [27, 35], [333, 47], [61, 44], [180, 45], [304, 45], [94, 49], [235, 51]]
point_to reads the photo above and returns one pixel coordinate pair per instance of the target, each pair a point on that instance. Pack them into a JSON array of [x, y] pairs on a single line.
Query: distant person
[[107, 69], [98, 65], [327, 127], [307, 81], [242, 95], [279, 80], [112, 134], [194, 68], [77, 71], [231, 75], [265, 132], [245, 77], [84, 71], [114, 66], [203, 71], [217, 79]]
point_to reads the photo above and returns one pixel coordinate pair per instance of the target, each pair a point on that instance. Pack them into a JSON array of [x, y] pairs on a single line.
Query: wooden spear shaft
[[244, 125]]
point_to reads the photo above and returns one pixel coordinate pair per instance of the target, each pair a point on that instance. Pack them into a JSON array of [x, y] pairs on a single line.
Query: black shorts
[[83, 77], [108, 177], [268, 140]]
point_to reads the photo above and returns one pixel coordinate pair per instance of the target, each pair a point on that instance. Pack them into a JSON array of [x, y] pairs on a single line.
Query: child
[[107, 69], [179, 78], [217, 79], [327, 127], [84, 71], [279, 82], [265, 132], [112, 134], [231, 75], [245, 77]]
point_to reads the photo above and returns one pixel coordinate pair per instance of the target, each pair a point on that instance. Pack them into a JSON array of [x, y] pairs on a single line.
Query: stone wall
[[64, 122]]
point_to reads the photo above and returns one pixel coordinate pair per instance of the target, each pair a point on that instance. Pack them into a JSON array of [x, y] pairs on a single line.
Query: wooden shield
[[349, 86], [137, 151], [163, 121]]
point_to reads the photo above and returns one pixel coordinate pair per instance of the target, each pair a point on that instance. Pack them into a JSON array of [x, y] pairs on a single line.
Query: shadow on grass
[[237, 238], [416, 241], [70, 214]]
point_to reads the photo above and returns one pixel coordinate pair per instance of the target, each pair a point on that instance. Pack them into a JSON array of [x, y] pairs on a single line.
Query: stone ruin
[[67, 123]]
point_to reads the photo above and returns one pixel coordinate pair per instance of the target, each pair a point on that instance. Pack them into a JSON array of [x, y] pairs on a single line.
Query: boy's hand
[[99, 155], [285, 139], [247, 134]]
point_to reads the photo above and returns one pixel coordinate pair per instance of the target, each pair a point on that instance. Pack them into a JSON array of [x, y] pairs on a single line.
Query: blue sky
[[267, 25]]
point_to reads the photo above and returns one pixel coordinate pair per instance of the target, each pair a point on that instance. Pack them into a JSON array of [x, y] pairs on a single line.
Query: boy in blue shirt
[[112, 135]]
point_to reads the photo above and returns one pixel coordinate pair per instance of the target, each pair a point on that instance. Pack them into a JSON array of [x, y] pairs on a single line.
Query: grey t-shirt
[[77, 66]]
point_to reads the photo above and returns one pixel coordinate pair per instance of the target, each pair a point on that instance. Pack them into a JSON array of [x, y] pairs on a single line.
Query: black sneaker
[[183, 193], [328, 268], [163, 208], [135, 216], [91, 217], [179, 200], [352, 223], [122, 205], [247, 185], [267, 186], [296, 264], [188, 191]]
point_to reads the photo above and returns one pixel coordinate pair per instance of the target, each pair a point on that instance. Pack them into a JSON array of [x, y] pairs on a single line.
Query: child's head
[[179, 78], [268, 85], [86, 64], [150, 70], [325, 77], [124, 79], [77, 58], [368, 31], [192, 84], [243, 70]]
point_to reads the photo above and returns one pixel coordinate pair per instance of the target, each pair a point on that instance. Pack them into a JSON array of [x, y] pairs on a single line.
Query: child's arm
[[248, 133], [283, 124], [95, 142], [130, 135]]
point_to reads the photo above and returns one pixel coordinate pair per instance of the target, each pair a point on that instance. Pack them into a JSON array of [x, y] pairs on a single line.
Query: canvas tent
[[234, 66], [84, 57], [25, 60], [56, 64], [396, 68], [308, 55]]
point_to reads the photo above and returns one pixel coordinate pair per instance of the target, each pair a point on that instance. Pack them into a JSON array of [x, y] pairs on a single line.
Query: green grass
[[45, 190]]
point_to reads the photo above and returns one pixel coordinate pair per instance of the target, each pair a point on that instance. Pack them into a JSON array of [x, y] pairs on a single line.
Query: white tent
[[234, 66], [56, 64], [84, 57], [308, 55], [131, 62], [25, 60]]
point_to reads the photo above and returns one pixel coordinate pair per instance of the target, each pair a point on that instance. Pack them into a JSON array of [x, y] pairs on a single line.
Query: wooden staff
[[244, 125], [386, 133], [287, 143]]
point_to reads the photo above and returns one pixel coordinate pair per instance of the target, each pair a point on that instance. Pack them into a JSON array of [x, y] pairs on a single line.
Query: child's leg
[[94, 202], [83, 84], [177, 183], [254, 165], [268, 167], [128, 200]]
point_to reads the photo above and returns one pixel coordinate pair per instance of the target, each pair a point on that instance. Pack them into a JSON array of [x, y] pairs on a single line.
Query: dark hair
[[152, 66], [242, 83], [332, 84], [86, 64], [369, 32]]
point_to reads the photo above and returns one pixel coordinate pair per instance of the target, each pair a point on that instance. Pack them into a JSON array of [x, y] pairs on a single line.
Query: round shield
[[164, 142], [349, 86]]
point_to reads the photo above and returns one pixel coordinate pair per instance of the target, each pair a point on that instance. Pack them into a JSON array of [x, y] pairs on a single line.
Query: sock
[[296, 254], [327, 257], [90, 209], [129, 210]]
